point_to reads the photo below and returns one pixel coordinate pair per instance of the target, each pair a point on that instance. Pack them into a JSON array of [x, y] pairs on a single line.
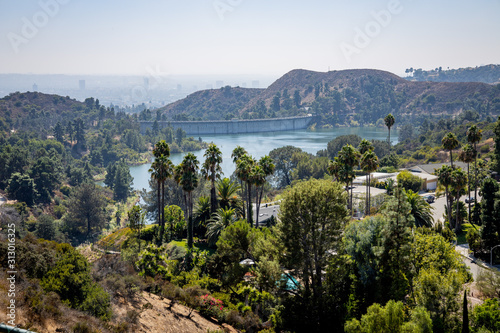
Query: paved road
[[266, 212], [439, 207], [476, 266]]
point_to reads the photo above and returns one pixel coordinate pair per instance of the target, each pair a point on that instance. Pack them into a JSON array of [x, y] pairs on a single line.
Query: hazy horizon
[[241, 37]]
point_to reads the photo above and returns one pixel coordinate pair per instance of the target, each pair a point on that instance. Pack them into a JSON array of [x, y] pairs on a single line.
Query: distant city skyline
[[231, 37]]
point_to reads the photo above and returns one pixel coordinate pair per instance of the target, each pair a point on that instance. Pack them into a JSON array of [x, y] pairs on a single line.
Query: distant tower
[[244, 85], [146, 83], [81, 84], [208, 86], [35, 87], [255, 84], [219, 84]]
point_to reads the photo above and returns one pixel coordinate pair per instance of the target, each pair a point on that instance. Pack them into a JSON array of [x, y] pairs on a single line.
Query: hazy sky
[[268, 37]]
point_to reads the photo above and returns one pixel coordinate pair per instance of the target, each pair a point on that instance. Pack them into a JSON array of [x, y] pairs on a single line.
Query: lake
[[260, 144]]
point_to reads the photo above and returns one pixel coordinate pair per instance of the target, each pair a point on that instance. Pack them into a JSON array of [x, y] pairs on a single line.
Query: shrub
[[211, 307], [97, 302]]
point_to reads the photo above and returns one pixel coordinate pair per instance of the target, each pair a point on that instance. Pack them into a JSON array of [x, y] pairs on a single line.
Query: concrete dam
[[234, 126]]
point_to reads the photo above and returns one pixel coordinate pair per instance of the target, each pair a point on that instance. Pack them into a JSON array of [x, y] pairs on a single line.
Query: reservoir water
[[260, 144]]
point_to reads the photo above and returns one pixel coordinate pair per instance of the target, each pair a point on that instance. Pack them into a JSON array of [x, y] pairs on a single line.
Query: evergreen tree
[[397, 239], [123, 181], [490, 214], [59, 132], [21, 187]]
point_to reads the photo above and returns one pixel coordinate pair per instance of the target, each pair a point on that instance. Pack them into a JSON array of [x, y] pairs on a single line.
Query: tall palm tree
[[467, 155], [420, 209], [389, 122], [161, 169], [368, 163], [264, 168], [244, 168], [348, 157], [474, 135], [221, 219], [458, 181], [444, 178], [187, 174], [450, 142], [237, 153], [212, 171]]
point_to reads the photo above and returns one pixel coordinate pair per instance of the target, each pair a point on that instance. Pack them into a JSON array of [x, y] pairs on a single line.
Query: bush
[[409, 181], [97, 302], [211, 307]]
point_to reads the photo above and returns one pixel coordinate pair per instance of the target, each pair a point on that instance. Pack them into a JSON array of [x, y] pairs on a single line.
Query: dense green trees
[[118, 178], [312, 216]]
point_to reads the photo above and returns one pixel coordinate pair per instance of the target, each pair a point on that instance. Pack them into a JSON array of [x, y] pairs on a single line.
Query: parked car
[[470, 199], [430, 198]]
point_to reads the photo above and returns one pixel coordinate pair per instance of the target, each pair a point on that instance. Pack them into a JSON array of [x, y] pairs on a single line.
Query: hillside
[[485, 74], [347, 97], [34, 110], [213, 104]]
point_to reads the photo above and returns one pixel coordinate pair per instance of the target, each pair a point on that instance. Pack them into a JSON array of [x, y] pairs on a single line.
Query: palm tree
[[212, 170], [389, 122], [458, 181], [467, 155], [227, 193], [444, 178], [244, 168], [420, 209], [202, 213], [263, 169], [450, 142], [187, 175], [348, 158], [365, 146], [237, 153], [474, 135], [368, 163], [221, 219], [161, 169]]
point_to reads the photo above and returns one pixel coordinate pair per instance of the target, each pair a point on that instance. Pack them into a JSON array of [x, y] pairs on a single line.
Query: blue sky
[[268, 37]]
